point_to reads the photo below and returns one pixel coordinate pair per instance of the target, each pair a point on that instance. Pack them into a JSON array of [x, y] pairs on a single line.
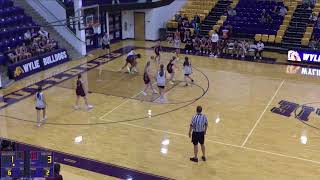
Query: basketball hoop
[[88, 16]]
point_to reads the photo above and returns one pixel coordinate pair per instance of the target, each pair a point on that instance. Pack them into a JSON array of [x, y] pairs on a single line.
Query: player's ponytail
[[39, 91], [147, 65], [161, 70], [186, 61]]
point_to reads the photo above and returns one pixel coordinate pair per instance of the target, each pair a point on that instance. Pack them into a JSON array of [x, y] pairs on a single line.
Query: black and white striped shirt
[[199, 123]]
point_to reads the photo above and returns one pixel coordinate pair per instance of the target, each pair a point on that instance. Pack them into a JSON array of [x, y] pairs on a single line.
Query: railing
[[68, 22]]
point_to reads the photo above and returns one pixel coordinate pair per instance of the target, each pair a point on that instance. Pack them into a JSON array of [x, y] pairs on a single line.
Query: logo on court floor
[[309, 113]]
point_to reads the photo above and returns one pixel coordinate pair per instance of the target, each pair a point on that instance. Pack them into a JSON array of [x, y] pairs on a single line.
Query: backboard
[[88, 16]]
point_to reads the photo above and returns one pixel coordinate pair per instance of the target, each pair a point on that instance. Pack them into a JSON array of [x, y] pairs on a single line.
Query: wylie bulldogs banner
[[304, 56], [33, 65]]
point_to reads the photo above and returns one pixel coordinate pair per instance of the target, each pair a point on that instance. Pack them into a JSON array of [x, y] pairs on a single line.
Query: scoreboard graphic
[[29, 164]]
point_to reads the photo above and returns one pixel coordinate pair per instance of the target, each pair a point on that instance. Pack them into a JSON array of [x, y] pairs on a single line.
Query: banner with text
[[304, 56], [33, 65]]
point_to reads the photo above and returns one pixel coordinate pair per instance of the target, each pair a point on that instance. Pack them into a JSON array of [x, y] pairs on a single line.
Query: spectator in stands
[[196, 44], [318, 24], [178, 18], [313, 18], [197, 29], [182, 31], [35, 48], [243, 48], [24, 52], [197, 18], [236, 48], [189, 45], [12, 56], [43, 33], [308, 4], [187, 35], [43, 45], [185, 17], [231, 12], [34, 34], [259, 50], [18, 53], [27, 37], [115, 2]]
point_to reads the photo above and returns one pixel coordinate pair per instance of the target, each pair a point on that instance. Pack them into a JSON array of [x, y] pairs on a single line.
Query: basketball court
[[245, 139]]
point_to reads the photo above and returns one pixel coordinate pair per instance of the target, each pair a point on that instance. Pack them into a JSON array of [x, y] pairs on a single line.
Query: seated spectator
[[18, 53], [115, 2], [187, 34], [12, 56], [34, 34], [208, 46], [196, 44], [197, 29], [189, 45], [53, 44], [283, 11], [197, 18], [24, 52], [308, 4], [202, 45], [243, 48], [231, 12], [185, 18], [43, 33], [35, 48], [28, 37], [313, 18], [235, 48], [259, 50], [178, 17]]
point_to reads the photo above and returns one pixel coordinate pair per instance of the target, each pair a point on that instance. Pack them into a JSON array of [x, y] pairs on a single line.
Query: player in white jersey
[[187, 68], [131, 59], [40, 105], [161, 81]]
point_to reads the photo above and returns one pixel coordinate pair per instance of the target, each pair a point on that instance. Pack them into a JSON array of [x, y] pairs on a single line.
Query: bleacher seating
[[191, 8], [247, 21], [316, 29], [93, 2], [14, 23]]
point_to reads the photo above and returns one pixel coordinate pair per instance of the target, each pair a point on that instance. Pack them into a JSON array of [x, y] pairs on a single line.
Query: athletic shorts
[[177, 43], [197, 137], [39, 108], [186, 74], [161, 87], [105, 46]]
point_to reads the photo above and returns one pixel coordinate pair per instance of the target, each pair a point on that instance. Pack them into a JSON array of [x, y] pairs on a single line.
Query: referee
[[198, 128]]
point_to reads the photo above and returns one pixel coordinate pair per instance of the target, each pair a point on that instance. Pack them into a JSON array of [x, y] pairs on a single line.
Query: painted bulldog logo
[[293, 56]]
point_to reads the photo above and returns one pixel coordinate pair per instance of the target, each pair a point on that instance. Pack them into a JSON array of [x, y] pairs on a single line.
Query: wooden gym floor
[[245, 140]]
